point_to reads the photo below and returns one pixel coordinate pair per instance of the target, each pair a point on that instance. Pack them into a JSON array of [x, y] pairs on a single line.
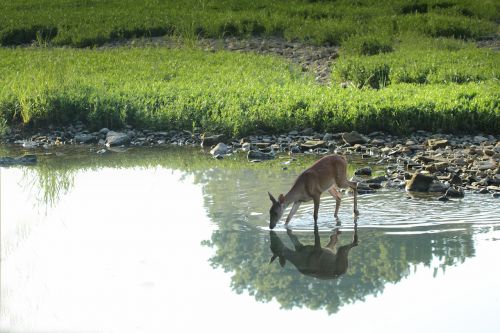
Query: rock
[[246, 146], [116, 139], [295, 150], [221, 149], [208, 141], [376, 180], [496, 195], [486, 165], [437, 186], [353, 138], [23, 160], [308, 131], [328, 137], [84, 138], [443, 198], [377, 142], [436, 143], [104, 131], [479, 139], [364, 188], [419, 183], [313, 144], [29, 144], [367, 171], [453, 192], [258, 155]]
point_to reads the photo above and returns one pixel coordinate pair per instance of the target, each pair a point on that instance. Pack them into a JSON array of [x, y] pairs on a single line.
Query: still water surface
[[169, 240]]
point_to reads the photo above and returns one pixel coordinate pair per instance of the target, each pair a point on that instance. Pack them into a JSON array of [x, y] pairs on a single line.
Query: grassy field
[[222, 92], [83, 23], [410, 64]]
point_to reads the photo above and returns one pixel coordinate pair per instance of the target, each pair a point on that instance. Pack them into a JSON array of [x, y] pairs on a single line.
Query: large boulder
[[353, 138], [209, 141], [220, 150], [117, 139], [419, 183], [258, 155], [85, 138]]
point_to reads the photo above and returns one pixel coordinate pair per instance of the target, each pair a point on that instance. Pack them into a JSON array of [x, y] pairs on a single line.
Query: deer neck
[[290, 197]]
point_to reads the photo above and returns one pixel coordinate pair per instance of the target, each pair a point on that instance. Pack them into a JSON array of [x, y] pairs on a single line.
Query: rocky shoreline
[[444, 164]]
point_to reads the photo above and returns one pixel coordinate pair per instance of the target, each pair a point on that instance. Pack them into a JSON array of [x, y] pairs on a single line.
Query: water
[[160, 240]]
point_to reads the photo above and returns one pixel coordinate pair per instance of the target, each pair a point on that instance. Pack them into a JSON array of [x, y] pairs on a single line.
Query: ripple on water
[[398, 212]]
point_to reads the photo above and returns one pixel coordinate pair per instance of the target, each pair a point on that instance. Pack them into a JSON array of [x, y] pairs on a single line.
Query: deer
[[328, 173], [314, 260]]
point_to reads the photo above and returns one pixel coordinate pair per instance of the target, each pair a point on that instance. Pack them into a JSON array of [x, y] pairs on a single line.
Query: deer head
[[277, 209]]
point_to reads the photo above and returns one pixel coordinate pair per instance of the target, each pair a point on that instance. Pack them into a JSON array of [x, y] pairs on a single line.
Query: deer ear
[[281, 199], [271, 197]]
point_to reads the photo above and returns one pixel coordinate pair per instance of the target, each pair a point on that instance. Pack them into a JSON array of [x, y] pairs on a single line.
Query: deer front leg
[[295, 206], [336, 194], [316, 208]]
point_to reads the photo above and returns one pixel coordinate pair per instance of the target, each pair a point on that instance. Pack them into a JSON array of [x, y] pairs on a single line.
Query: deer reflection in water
[[314, 260]]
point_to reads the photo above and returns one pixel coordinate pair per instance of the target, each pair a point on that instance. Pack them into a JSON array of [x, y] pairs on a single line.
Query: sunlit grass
[[222, 92]]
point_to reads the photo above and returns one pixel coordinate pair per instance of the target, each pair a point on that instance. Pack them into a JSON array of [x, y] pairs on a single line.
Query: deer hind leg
[[354, 187], [336, 194], [295, 206]]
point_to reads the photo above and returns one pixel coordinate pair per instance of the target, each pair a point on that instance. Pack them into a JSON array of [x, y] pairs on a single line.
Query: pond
[[169, 239]]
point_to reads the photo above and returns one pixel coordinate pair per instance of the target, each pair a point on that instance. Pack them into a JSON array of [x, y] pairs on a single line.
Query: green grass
[[222, 92], [412, 64], [84, 23], [421, 61]]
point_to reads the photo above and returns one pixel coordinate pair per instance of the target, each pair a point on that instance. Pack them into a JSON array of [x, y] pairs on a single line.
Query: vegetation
[[227, 92], [90, 22], [421, 61], [417, 55]]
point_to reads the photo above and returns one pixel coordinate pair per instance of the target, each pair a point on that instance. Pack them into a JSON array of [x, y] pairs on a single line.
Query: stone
[[436, 143], [104, 131], [454, 192], [480, 139], [353, 138], [328, 137], [377, 142], [209, 141], [116, 139], [367, 171], [376, 180], [437, 186], [313, 144], [23, 160], [85, 138], [364, 188], [246, 146], [220, 149], [419, 183], [443, 198], [258, 155], [486, 165]]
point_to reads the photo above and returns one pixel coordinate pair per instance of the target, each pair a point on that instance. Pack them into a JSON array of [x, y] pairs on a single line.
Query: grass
[[225, 92], [421, 61], [412, 65], [83, 23]]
